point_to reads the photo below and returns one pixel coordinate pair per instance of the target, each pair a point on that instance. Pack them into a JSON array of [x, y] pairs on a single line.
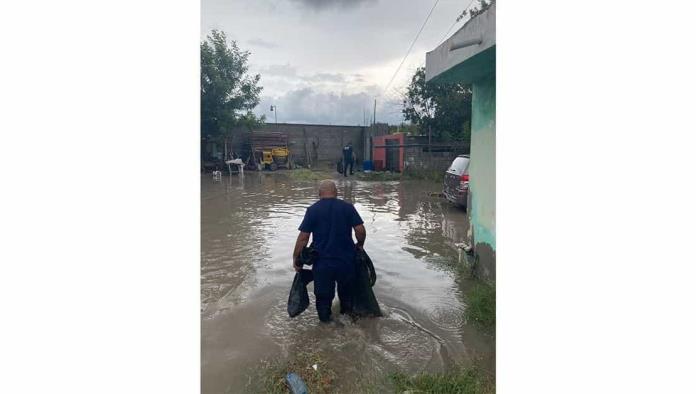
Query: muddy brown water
[[248, 229]]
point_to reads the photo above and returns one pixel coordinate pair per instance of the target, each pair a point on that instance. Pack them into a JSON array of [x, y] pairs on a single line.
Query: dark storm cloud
[[323, 4], [260, 42], [328, 46]]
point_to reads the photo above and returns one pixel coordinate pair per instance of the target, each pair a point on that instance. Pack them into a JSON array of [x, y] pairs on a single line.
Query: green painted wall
[[479, 71], [482, 168]]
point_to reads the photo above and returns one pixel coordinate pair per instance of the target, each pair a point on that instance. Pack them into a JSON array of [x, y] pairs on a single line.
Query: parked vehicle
[[456, 184]]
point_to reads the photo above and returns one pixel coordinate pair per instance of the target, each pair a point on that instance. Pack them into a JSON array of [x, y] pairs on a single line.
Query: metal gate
[[392, 155]]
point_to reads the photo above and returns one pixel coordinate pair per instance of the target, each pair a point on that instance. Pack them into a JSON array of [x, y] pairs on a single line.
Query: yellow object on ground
[[267, 157], [280, 152], [274, 158], [281, 157]]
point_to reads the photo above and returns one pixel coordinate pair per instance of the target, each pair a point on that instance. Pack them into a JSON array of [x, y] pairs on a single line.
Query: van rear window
[[459, 165]]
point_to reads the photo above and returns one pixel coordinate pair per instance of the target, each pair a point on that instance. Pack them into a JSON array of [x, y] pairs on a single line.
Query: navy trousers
[[328, 274], [347, 163]]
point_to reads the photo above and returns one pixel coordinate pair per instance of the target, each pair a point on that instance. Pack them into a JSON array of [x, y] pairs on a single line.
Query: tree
[[444, 109], [228, 92], [483, 6], [407, 128]]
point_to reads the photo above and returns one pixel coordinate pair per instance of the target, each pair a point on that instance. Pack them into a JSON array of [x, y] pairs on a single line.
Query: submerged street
[[248, 228]]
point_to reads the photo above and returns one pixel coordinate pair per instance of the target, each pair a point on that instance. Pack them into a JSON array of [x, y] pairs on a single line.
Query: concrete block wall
[[322, 143], [415, 158]]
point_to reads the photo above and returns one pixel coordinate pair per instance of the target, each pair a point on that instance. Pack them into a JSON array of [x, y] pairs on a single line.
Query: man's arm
[[360, 235], [302, 240]]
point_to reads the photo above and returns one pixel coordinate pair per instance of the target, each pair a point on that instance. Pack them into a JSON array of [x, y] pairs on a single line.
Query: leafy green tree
[[442, 109], [228, 92]]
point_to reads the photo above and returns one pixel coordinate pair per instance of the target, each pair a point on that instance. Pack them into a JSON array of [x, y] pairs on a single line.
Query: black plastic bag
[[366, 261], [298, 300], [364, 303], [308, 255], [364, 300]]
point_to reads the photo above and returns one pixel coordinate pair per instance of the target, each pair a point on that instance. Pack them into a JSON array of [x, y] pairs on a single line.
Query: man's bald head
[[327, 189]]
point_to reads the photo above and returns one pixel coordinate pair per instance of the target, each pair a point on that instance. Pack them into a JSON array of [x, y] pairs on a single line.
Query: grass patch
[[461, 381], [304, 174], [481, 308], [436, 176], [383, 176], [320, 381]]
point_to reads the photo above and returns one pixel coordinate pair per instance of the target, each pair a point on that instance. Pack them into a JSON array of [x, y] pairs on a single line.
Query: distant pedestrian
[[348, 159]]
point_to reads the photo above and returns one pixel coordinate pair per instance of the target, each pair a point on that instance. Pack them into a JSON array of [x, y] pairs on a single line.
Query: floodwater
[[249, 226]]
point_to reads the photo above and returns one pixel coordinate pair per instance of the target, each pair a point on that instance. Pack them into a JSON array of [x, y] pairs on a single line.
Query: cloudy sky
[[325, 61]]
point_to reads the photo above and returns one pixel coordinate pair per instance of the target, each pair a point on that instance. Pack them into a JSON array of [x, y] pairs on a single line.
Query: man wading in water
[[331, 221]]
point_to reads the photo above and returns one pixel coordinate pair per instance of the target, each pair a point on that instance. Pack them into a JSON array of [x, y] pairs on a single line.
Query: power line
[[412, 43], [448, 30]]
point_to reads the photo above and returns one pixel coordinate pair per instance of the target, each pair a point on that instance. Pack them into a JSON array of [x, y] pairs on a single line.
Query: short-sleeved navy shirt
[[347, 153], [331, 223]]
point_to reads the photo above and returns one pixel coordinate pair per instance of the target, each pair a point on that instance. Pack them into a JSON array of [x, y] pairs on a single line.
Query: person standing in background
[[348, 159]]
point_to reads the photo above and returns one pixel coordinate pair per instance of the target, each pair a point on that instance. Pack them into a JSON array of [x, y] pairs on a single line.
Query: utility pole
[[274, 108], [374, 114], [374, 126]]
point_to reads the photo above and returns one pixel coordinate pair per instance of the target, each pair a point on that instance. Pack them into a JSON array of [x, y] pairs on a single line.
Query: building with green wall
[[468, 56]]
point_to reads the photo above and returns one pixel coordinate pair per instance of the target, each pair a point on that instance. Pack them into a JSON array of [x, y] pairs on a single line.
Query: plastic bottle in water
[[297, 386]]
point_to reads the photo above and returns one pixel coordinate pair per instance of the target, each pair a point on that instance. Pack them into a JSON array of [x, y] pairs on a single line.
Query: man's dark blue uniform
[[347, 159], [331, 221]]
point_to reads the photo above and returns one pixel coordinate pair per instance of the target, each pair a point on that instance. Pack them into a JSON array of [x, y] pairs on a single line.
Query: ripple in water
[[396, 338]]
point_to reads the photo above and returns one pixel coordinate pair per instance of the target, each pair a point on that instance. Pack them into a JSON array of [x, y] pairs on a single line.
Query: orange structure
[[388, 152]]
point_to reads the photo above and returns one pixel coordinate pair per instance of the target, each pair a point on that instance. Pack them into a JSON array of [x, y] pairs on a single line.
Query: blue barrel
[[367, 165]]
